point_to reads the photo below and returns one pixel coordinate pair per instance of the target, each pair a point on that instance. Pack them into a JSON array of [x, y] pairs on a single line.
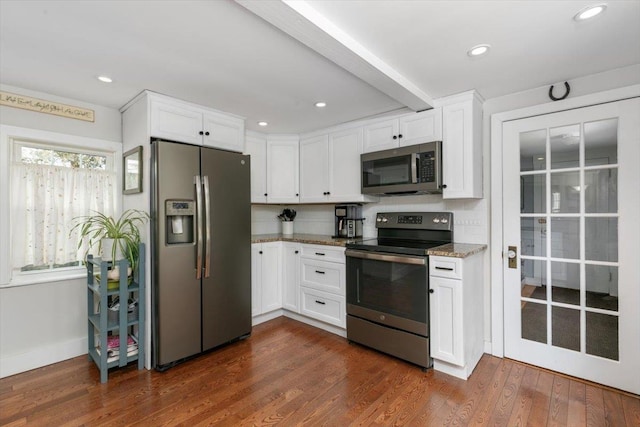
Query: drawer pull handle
[[320, 302], [319, 253], [444, 268], [319, 272]]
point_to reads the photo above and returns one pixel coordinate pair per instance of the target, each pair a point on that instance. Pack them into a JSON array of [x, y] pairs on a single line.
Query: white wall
[[45, 323]]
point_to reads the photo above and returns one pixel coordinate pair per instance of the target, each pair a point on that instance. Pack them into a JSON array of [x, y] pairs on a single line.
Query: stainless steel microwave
[[415, 169]]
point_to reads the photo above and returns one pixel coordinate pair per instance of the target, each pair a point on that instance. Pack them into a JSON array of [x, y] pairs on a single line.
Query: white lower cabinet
[[266, 278], [456, 313], [324, 306], [304, 279], [291, 276], [322, 284]]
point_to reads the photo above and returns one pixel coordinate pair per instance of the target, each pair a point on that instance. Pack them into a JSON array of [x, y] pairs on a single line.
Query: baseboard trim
[[256, 320], [42, 356]]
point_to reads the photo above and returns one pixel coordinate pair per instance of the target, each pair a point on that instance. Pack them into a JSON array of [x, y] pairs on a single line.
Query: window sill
[[26, 279]]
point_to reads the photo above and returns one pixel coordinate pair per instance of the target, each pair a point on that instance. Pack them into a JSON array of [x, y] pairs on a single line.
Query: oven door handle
[[401, 259]]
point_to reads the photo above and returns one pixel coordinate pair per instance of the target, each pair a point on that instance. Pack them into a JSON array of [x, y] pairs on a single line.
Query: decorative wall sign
[[42, 106], [132, 171]]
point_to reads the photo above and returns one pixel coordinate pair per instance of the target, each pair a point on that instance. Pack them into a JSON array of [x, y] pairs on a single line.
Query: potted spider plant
[[115, 238]]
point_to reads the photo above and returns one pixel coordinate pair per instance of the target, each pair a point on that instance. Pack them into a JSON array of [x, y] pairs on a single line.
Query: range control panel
[[415, 220]]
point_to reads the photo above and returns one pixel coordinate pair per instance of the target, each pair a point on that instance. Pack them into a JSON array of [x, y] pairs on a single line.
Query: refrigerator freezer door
[[176, 288], [226, 293]]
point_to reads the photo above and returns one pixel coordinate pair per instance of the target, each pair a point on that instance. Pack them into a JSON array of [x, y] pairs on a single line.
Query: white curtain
[[45, 200]]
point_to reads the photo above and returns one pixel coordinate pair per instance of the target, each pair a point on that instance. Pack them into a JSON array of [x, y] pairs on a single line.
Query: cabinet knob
[[443, 186], [430, 291], [207, 133], [328, 193], [265, 194], [297, 194], [395, 137], [296, 252], [400, 136], [201, 133], [260, 252]]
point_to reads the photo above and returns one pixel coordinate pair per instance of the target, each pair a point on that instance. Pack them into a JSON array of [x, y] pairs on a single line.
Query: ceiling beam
[[305, 24]]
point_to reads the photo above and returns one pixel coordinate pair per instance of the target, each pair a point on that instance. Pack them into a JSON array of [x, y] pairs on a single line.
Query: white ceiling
[[220, 54]]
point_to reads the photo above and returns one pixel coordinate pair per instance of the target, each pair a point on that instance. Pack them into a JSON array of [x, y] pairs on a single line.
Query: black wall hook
[[566, 87]]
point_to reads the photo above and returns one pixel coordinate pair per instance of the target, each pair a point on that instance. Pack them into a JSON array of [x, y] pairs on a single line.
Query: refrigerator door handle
[[207, 210], [198, 184]]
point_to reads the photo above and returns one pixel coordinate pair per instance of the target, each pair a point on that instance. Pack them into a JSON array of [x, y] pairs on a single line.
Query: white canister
[[287, 227]]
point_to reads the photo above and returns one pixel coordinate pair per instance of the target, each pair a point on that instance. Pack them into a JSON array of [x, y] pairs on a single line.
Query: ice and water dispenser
[[179, 219]]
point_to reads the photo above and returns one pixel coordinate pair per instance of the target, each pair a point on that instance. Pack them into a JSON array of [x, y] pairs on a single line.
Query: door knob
[[512, 255]]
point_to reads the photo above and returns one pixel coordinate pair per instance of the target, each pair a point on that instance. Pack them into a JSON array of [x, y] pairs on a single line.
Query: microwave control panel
[[427, 168]]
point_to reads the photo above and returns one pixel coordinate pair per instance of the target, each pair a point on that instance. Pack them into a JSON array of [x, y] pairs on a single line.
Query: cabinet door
[[421, 127], [256, 279], [223, 132], [379, 135], [344, 165], [282, 171], [257, 149], [176, 122], [290, 276], [314, 169], [461, 151], [445, 307], [271, 277]]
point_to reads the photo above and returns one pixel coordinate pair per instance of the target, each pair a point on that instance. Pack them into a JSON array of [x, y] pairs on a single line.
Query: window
[[50, 185]]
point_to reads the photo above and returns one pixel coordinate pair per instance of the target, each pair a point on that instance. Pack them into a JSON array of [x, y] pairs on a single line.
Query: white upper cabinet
[[223, 132], [176, 123], [345, 148], [256, 147], [183, 122], [282, 169], [462, 146], [330, 167], [410, 129], [314, 169], [381, 135], [421, 127]]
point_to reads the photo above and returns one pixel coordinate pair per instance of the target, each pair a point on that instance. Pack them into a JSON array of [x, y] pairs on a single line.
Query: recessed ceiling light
[[590, 12], [262, 123], [479, 50], [105, 79], [320, 104]]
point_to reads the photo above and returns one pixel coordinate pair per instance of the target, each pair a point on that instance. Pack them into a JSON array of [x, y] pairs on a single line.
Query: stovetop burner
[[409, 233]]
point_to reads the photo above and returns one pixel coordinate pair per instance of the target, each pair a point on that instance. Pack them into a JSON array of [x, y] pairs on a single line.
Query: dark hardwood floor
[[288, 373]]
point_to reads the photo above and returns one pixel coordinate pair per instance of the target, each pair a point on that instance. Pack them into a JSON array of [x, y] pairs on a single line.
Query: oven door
[[389, 289]]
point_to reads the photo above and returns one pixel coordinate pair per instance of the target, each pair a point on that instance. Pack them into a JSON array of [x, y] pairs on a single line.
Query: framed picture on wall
[[132, 171]]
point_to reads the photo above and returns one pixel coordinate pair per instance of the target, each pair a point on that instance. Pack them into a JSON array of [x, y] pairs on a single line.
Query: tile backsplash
[[470, 216]]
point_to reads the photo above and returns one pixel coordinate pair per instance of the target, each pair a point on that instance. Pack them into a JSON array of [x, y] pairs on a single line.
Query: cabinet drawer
[[323, 306], [322, 275], [445, 267], [324, 253]]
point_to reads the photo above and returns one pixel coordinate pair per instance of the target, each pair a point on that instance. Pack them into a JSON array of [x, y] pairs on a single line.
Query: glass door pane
[[568, 231]]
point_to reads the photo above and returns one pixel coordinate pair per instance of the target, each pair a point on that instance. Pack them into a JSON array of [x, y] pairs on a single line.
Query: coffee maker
[[348, 221]]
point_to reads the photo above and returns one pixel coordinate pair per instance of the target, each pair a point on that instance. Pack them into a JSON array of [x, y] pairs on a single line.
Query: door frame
[[496, 217]]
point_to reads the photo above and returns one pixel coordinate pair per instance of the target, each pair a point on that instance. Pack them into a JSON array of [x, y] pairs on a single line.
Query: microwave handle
[[414, 168]]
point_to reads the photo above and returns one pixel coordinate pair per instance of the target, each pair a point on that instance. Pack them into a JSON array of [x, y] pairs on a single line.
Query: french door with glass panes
[[571, 183]]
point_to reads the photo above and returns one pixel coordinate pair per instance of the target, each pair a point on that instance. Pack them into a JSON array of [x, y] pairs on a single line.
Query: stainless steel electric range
[[388, 284]]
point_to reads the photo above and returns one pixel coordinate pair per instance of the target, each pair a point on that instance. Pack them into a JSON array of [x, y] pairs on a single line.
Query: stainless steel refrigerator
[[201, 250]]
